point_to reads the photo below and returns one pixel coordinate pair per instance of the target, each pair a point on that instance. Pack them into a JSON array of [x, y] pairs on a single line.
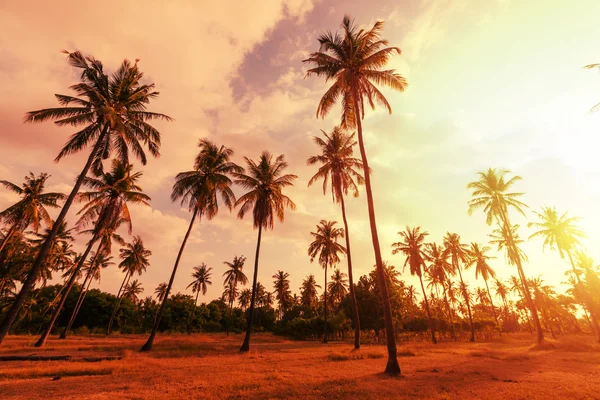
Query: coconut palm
[[478, 258], [60, 255], [111, 111], [265, 182], [283, 294], [134, 258], [354, 62], [200, 189], [411, 245], [244, 298], [459, 254], [439, 270], [338, 287], [308, 291], [233, 276], [31, 208], [326, 248], [492, 193], [132, 290], [160, 291], [502, 291], [340, 167], [202, 275], [561, 233]]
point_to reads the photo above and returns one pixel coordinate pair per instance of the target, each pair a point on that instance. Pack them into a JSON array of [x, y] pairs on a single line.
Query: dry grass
[[209, 366]]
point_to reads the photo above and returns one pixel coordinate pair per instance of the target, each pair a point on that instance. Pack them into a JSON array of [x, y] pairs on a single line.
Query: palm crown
[[134, 257], [325, 246], [202, 275], [478, 258], [235, 273], [558, 231], [411, 246]]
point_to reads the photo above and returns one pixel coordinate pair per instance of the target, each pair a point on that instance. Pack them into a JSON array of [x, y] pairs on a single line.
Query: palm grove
[[111, 116]]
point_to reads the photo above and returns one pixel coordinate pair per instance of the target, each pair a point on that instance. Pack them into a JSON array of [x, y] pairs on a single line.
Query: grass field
[[209, 366]]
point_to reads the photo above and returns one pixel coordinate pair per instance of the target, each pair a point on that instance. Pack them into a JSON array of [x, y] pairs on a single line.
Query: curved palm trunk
[[72, 280], [325, 302], [466, 297], [118, 303], [148, 345], [86, 284], [246, 345], [9, 234], [449, 312], [433, 339], [492, 303], [193, 313], [37, 265], [356, 319], [586, 299], [392, 367]]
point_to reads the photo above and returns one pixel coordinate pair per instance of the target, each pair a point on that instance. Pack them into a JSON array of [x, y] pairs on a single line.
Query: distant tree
[[338, 287], [283, 294], [308, 291], [233, 276], [478, 258]]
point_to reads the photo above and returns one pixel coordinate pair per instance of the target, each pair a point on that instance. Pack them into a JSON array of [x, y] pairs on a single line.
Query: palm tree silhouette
[[202, 275], [308, 291], [478, 258], [353, 61], [233, 276], [281, 286], [440, 269], [338, 287]]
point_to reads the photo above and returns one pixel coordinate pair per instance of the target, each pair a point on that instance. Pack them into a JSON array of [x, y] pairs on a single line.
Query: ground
[[209, 366]]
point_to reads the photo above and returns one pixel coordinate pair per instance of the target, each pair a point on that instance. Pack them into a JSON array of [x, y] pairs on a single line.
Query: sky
[[492, 83]]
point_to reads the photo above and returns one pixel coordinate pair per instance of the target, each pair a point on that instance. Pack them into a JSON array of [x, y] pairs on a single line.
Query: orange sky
[[492, 83]]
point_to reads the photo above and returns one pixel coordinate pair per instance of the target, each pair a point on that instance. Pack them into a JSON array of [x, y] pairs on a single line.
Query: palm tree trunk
[[148, 345], [392, 367], [193, 313], [9, 234], [246, 345], [118, 302], [466, 297], [586, 298], [449, 311], [433, 339], [72, 280], [325, 302], [37, 265], [356, 319], [82, 296], [492, 303]]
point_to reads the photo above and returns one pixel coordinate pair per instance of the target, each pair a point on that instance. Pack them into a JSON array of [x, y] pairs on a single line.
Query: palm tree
[[160, 293], [281, 285], [202, 275], [478, 258], [459, 254], [200, 189], [340, 167], [265, 182], [502, 291], [31, 208], [244, 298], [134, 258], [353, 61], [411, 245], [326, 248], [308, 291], [132, 290], [233, 276], [60, 255], [439, 269], [112, 111], [492, 193], [560, 232], [338, 287]]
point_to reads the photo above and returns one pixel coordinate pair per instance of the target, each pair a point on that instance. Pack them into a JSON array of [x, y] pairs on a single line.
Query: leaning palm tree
[[200, 189], [308, 291], [202, 275], [111, 111], [31, 208], [283, 294], [561, 233], [491, 192], [478, 258], [353, 61], [265, 182], [439, 269], [411, 245], [326, 248], [135, 260], [340, 167], [233, 276], [459, 254]]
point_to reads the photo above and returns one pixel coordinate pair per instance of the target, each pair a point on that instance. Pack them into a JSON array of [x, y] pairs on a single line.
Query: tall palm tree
[[135, 260], [353, 61], [560, 232], [233, 276], [202, 275], [308, 291], [112, 112], [31, 208], [439, 269], [478, 258], [492, 193], [340, 167], [338, 287], [459, 254], [265, 182], [200, 189], [411, 245], [326, 248], [283, 294]]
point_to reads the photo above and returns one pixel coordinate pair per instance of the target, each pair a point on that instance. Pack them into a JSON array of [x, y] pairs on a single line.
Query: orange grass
[[209, 366]]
